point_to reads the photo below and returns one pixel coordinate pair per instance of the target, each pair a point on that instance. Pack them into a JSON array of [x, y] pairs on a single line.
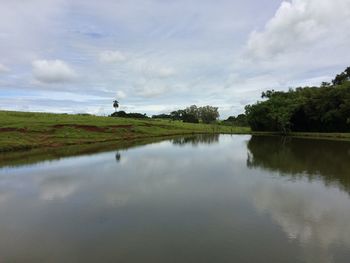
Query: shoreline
[[121, 141], [24, 131], [336, 136], [30, 130], [30, 156]]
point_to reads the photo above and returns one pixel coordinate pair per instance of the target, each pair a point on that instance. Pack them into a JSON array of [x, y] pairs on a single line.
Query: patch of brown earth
[[13, 129], [92, 128]]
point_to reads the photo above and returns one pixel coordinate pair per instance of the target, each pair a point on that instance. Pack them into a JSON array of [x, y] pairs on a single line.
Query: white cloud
[[150, 89], [165, 72], [121, 94], [304, 43], [151, 69], [112, 57], [3, 69], [52, 71], [300, 23]]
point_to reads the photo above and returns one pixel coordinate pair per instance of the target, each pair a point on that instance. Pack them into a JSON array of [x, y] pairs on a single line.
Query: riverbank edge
[[36, 154], [28, 130], [308, 135], [21, 131], [116, 141]]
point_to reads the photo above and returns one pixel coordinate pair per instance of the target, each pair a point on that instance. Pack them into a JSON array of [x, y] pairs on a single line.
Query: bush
[[190, 118], [162, 116], [123, 114], [240, 120]]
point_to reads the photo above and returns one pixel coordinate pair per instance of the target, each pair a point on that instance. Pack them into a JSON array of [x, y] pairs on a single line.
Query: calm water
[[200, 199]]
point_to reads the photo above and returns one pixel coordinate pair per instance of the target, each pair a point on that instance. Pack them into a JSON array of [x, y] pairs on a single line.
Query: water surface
[[194, 199]]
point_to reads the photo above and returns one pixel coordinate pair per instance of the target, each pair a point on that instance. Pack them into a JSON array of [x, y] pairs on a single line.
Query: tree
[[161, 116], [193, 110], [191, 114], [342, 77], [134, 115], [187, 117], [325, 84], [267, 94], [240, 120], [208, 114], [347, 71], [115, 105], [177, 115], [194, 114], [309, 109]]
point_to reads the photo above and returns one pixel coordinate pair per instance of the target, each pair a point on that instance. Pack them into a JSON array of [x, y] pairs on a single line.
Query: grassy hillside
[[27, 130]]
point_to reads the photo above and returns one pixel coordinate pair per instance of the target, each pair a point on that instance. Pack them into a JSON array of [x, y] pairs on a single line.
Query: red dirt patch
[[84, 127], [92, 128], [13, 129]]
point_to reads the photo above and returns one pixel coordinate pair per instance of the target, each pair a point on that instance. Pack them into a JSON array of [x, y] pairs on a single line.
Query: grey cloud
[[150, 69], [112, 56], [52, 71], [150, 89], [3, 69]]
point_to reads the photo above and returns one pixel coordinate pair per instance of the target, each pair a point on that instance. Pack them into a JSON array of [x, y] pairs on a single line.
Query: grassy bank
[[27, 130], [18, 158]]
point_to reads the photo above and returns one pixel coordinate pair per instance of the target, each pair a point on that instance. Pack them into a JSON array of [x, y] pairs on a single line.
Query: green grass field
[[27, 130]]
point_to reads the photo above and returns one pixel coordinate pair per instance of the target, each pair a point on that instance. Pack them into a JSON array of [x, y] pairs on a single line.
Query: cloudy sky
[[155, 56]]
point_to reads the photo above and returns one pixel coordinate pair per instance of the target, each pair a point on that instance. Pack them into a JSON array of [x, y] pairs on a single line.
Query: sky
[[155, 56]]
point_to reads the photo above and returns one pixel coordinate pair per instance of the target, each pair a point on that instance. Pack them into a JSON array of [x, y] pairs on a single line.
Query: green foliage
[[161, 116], [240, 120], [208, 114], [194, 114], [309, 109], [191, 114], [342, 77], [177, 115], [189, 118], [115, 104], [123, 114]]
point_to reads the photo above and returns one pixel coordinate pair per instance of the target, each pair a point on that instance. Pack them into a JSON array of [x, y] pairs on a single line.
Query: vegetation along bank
[[304, 109], [27, 130]]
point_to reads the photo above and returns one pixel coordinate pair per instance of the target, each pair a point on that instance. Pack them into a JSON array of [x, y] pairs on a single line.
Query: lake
[[192, 199]]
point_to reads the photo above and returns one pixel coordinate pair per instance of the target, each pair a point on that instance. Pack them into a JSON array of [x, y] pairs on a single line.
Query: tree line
[[192, 114], [305, 109], [240, 121]]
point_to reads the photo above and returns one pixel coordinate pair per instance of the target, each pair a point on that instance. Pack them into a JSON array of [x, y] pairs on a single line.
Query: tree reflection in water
[[302, 157], [197, 139], [117, 157]]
